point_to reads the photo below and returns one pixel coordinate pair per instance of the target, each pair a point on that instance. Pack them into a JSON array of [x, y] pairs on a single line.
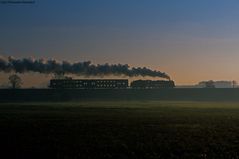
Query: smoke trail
[[79, 68]]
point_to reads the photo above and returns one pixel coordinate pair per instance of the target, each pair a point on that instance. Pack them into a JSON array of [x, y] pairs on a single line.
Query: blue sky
[[191, 40]]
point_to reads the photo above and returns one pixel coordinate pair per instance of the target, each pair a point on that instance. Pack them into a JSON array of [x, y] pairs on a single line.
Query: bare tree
[[209, 84], [234, 84], [15, 81]]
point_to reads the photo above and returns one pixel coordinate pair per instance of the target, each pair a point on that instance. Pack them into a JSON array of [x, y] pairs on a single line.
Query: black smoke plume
[[80, 68]]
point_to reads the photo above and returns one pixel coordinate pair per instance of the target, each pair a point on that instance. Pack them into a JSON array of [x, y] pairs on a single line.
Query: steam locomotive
[[109, 84]]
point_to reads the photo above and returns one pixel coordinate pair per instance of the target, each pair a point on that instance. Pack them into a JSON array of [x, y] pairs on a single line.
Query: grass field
[[122, 129]]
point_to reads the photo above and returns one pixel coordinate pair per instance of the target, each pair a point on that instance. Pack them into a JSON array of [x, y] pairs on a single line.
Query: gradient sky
[[191, 40]]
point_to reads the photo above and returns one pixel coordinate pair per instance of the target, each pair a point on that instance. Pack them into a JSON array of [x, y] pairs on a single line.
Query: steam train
[[109, 84]]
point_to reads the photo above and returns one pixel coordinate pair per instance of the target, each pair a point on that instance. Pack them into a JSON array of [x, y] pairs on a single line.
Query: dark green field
[[122, 129]]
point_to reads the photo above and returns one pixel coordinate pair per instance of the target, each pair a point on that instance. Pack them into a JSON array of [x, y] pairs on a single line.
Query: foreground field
[[120, 129]]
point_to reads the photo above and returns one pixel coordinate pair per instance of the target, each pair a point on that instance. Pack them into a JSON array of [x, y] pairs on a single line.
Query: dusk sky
[[191, 40]]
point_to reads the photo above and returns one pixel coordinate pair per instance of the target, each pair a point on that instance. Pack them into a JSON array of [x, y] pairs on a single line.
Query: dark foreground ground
[[168, 94], [122, 129]]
